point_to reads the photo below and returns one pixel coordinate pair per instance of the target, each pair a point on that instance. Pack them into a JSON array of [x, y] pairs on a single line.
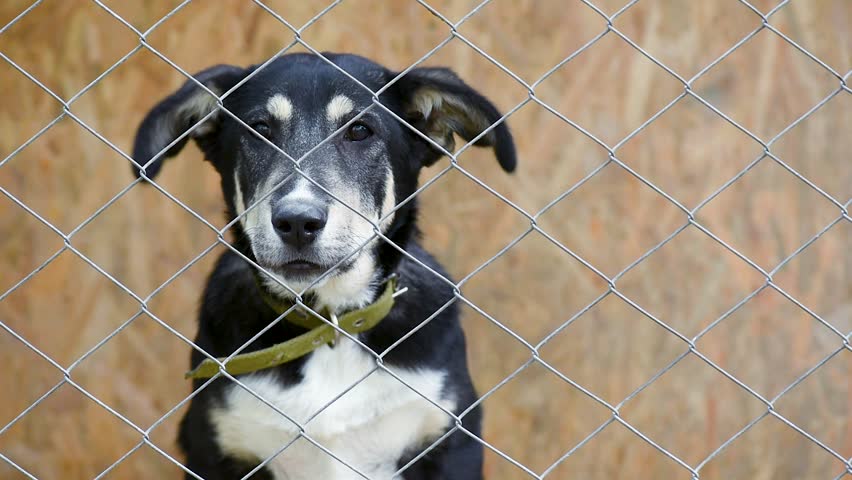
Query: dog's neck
[[401, 232]]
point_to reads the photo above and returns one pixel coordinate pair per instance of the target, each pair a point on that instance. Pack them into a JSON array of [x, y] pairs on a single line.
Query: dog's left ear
[[439, 104]]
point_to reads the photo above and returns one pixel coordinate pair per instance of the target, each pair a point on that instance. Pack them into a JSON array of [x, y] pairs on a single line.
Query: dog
[[331, 232]]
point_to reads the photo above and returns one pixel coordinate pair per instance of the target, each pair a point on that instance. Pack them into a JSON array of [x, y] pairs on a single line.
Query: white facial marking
[[369, 427], [301, 192], [280, 107], [353, 288], [258, 223], [338, 107], [345, 289], [239, 202], [389, 202]]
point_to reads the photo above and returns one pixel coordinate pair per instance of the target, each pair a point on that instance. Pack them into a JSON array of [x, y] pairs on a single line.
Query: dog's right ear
[[178, 112]]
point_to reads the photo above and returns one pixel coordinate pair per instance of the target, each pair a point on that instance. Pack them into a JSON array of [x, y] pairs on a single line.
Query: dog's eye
[[357, 132], [262, 128]]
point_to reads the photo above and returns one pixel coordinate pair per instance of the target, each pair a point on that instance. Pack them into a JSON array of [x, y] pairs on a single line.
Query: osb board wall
[[610, 89]]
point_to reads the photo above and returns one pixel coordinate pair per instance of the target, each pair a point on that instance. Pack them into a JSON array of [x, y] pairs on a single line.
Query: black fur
[[232, 309]]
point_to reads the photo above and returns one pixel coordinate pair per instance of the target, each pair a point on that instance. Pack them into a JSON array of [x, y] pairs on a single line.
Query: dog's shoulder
[[231, 300]]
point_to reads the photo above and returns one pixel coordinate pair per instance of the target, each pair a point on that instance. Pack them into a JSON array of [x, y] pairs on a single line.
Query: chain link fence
[[657, 370]]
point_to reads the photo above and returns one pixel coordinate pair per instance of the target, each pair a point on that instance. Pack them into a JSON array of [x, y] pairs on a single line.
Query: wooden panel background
[[610, 89]]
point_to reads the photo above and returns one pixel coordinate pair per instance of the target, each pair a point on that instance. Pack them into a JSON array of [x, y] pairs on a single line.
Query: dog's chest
[[367, 426]]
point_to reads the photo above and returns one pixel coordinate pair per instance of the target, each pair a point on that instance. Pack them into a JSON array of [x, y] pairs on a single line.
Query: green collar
[[320, 333]]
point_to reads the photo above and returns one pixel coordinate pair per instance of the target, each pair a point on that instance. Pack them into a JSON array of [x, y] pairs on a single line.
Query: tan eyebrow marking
[[280, 107], [338, 107]]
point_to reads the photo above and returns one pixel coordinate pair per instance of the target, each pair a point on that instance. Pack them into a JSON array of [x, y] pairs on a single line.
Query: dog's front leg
[[459, 457], [204, 458]]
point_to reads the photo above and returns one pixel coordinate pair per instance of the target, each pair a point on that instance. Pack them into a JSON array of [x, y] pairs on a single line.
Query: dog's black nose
[[299, 224]]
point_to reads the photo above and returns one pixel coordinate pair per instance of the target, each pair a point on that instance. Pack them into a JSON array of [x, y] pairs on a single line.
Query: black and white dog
[[298, 232]]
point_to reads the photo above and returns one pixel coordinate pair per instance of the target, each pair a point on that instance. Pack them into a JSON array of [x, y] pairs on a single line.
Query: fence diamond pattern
[[688, 219]]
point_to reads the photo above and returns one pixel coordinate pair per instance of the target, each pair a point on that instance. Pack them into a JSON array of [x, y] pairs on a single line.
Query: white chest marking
[[369, 427]]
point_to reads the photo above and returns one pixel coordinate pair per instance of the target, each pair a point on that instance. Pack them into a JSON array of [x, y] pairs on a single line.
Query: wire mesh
[[688, 221]]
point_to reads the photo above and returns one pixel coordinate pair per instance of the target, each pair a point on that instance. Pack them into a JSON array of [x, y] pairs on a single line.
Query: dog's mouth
[[307, 270], [302, 269], [305, 267]]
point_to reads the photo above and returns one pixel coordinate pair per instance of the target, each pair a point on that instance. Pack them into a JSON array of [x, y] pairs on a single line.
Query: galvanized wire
[[613, 161]]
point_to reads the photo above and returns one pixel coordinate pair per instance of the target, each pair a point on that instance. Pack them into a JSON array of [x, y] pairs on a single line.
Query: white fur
[[369, 427], [200, 105], [345, 230], [196, 106], [239, 202], [344, 222], [352, 289], [338, 107], [258, 219], [389, 201], [344, 291], [300, 192], [426, 99], [280, 107]]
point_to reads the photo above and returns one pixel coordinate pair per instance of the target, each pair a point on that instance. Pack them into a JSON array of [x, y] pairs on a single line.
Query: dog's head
[[357, 161]]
